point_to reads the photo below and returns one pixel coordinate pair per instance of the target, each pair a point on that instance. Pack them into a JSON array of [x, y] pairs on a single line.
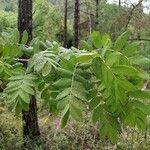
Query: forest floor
[[73, 137]]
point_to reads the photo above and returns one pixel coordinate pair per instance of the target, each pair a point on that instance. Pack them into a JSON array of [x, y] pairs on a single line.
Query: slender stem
[[73, 76]]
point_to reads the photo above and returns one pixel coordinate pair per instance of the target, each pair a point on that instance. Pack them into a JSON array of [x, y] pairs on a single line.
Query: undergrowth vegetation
[[80, 136]]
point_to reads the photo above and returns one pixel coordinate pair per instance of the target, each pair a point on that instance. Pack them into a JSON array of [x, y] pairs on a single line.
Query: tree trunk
[[65, 23], [119, 3], [76, 24], [97, 12], [25, 18], [30, 119]]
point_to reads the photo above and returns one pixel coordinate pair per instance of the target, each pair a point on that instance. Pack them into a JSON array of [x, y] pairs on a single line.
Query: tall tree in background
[[119, 3], [65, 23], [76, 23], [30, 120], [97, 12]]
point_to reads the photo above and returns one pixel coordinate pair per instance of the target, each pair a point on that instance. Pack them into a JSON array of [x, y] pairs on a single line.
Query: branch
[[21, 60], [131, 13], [139, 39]]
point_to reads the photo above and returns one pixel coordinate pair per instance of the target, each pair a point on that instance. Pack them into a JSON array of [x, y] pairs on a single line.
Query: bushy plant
[[7, 21], [101, 79]]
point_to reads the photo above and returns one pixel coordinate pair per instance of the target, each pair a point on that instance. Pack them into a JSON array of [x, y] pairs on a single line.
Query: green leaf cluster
[[19, 89], [101, 79]]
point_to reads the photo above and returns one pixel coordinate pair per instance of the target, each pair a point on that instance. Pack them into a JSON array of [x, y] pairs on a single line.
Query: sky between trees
[[146, 3]]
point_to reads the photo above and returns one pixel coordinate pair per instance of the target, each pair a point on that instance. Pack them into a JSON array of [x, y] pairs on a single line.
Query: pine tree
[[30, 120], [76, 23], [97, 12], [119, 3], [65, 23]]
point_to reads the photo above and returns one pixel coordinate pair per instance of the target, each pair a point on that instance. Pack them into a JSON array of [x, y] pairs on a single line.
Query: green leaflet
[[79, 94], [113, 58], [125, 84], [121, 41], [64, 73], [24, 96], [106, 41], [65, 116], [5, 69], [94, 102], [136, 113], [102, 71], [10, 51], [145, 108], [125, 70], [140, 60], [27, 89], [62, 103], [96, 66], [63, 94], [109, 126], [85, 46], [107, 75], [96, 39], [87, 57], [108, 131], [76, 110], [20, 105], [63, 82], [132, 48], [96, 113], [84, 72], [136, 118], [140, 94], [68, 74], [43, 62], [19, 90], [46, 69], [117, 94]]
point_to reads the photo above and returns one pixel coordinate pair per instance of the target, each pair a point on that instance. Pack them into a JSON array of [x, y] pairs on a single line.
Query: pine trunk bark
[[119, 3], [76, 23], [30, 121], [25, 18], [29, 118], [65, 23], [97, 12]]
